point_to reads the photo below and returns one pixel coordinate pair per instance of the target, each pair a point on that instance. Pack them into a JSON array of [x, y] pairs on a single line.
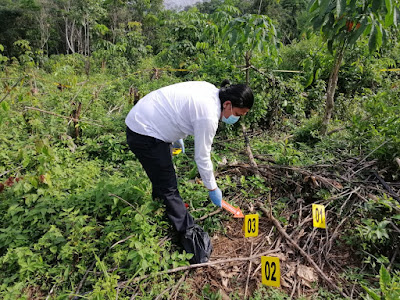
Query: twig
[[248, 272], [334, 234], [302, 252], [123, 200], [387, 187], [126, 202], [293, 289], [337, 130], [348, 198], [209, 215], [51, 291], [9, 91], [162, 293], [360, 162], [195, 266], [177, 286], [83, 279], [60, 116], [393, 258], [121, 241]]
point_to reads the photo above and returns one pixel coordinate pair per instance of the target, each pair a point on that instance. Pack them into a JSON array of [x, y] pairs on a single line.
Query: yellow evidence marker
[[270, 271], [176, 151], [318, 213], [250, 225]]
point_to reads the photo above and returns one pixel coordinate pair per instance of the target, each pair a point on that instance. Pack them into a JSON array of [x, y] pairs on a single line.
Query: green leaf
[[309, 80], [314, 5], [389, 19], [379, 38], [370, 292], [340, 7], [138, 218], [384, 279], [317, 73], [5, 106], [376, 4], [389, 6], [317, 22], [324, 7]]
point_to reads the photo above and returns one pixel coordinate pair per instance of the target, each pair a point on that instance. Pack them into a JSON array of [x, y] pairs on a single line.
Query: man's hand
[[216, 196]]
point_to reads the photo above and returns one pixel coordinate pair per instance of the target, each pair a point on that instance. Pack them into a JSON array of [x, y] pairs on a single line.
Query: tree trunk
[[330, 93]]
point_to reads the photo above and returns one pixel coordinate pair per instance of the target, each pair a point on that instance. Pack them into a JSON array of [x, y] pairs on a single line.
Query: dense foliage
[[76, 214]]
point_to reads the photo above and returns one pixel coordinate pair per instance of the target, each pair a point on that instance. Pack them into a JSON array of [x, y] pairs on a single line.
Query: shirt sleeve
[[204, 132]]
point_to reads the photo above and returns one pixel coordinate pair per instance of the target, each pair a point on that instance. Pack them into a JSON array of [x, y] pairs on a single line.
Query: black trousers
[[156, 159]]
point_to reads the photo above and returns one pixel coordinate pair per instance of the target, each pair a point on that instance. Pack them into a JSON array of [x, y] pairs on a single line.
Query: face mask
[[231, 119]]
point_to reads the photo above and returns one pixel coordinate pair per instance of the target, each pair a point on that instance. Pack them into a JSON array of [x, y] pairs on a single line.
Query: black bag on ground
[[198, 242]]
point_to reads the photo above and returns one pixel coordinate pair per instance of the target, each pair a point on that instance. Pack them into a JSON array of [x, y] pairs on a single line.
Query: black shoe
[[195, 240]]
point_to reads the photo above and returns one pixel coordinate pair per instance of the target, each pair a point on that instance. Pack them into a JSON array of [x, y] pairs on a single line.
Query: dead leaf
[[314, 181], [225, 282], [227, 275], [286, 282], [337, 185], [305, 283], [291, 269], [307, 273], [224, 295]]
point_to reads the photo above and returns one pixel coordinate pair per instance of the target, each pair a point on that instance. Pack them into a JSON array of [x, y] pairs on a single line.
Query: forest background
[[76, 214]]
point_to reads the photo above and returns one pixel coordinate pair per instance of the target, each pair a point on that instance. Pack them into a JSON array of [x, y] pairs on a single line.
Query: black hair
[[240, 95]]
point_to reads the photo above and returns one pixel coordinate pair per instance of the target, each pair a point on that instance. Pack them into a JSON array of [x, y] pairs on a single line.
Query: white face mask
[[231, 119]]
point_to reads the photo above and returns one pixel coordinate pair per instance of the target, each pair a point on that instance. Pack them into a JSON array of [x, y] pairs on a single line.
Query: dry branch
[[61, 116], [302, 252], [9, 91], [195, 266], [398, 161]]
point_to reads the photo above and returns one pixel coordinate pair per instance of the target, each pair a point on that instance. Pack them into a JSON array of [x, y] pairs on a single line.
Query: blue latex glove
[[216, 197], [179, 144]]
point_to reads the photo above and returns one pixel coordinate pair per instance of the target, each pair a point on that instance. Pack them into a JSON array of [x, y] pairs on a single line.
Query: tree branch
[[302, 252]]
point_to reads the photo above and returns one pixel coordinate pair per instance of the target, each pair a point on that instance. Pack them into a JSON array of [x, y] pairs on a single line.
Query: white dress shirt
[[176, 111]]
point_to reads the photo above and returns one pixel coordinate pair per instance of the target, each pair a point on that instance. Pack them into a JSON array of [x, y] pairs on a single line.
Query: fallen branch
[[175, 290], [61, 116], [124, 240], [9, 91], [78, 288], [361, 161], [387, 187], [248, 272], [302, 252], [195, 266], [209, 215]]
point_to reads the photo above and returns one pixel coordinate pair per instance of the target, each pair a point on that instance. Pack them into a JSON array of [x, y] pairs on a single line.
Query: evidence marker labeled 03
[[250, 225]]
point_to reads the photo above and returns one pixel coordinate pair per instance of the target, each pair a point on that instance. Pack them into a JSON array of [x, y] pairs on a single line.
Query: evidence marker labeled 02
[[270, 271]]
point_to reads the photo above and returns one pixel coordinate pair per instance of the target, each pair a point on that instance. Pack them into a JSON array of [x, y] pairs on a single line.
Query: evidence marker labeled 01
[[318, 214]]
